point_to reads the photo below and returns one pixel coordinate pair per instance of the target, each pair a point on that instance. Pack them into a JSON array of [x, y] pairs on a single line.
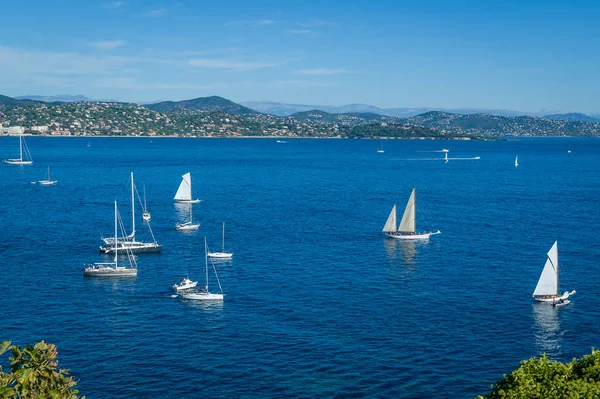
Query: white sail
[[390, 225], [184, 193], [548, 282], [408, 223]]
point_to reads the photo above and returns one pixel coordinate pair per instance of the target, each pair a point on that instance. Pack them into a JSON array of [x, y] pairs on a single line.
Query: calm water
[[318, 302]]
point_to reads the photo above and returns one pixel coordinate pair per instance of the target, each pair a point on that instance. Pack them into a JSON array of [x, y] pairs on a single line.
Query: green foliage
[[34, 373], [546, 379]]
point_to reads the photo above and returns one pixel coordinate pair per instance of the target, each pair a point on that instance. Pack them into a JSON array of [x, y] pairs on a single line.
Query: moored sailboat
[[23, 152], [407, 229], [222, 254], [184, 192], [203, 293], [517, 161], [187, 226], [48, 181], [547, 287]]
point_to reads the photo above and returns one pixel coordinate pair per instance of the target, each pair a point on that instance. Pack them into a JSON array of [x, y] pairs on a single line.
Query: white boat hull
[[187, 227], [103, 271], [554, 298], [421, 236], [202, 296], [17, 162], [47, 182], [189, 286], [220, 255], [196, 201], [135, 249]]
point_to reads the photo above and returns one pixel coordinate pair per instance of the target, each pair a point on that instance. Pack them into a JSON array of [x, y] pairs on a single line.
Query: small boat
[[517, 161], [187, 226], [203, 293], [222, 254], [48, 181], [184, 284], [407, 229], [23, 151], [380, 149], [546, 289], [184, 193], [112, 269]]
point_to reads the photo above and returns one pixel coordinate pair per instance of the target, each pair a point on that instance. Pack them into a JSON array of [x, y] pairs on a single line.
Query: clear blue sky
[[521, 55]]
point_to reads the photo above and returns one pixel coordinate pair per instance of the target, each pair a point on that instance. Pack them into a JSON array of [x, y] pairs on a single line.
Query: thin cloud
[[107, 44], [316, 22], [289, 84], [132, 83], [232, 65], [260, 22], [155, 13], [114, 4], [299, 31], [320, 71]]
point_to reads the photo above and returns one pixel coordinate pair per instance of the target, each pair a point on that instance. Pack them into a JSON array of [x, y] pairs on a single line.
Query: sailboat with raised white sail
[[128, 242], [48, 181], [547, 287], [407, 230], [189, 225], [184, 193], [203, 293], [517, 161], [112, 269], [24, 155], [222, 254]]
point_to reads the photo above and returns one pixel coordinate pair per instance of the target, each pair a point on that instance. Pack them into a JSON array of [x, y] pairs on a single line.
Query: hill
[[345, 119], [572, 117], [64, 98], [210, 104], [9, 102]]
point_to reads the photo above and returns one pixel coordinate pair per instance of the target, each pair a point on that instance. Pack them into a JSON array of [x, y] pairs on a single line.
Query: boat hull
[[185, 287], [17, 162], [148, 248], [47, 182], [187, 227], [421, 236], [203, 296], [196, 201], [554, 298], [100, 271], [220, 255]]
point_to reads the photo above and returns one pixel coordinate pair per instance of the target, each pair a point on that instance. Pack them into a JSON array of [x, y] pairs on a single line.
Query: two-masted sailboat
[[112, 269], [184, 192], [407, 230], [547, 286], [24, 155], [129, 242]]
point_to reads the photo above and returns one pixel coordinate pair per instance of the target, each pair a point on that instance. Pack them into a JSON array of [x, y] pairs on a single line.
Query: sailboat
[[380, 149], [546, 289], [517, 161], [112, 269], [128, 242], [222, 254], [187, 226], [203, 293], [48, 181], [146, 215], [23, 151], [407, 229], [184, 193]]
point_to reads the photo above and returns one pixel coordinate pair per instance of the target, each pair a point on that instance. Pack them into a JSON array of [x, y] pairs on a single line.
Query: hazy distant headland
[[218, 117]]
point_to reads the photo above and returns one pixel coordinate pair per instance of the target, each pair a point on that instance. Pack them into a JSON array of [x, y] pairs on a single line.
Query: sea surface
[[319, 303]]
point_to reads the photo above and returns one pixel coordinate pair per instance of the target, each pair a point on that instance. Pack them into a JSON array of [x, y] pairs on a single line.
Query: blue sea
[[319, 303]]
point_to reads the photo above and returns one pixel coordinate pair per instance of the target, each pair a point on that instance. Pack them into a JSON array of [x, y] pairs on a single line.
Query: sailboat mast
[[21, 147], [206, 263], [223, 238], [557, 289], [132, 210], [415, 209], [48, 172], [145, 206], [116, 243]]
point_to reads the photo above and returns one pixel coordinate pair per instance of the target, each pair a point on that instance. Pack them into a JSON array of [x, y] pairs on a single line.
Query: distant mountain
[[212, 104], [65, 98], [572, 117], [348, 119], [9, 102], [283, 109]]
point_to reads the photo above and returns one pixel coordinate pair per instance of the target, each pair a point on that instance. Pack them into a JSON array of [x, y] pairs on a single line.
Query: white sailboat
[[517, 161], [407, 229], [203, 293], [184, 193], [380, 149], [187, 226], [23, 151], [112, 269], [146, 215], [129, 242], [222, 254], [48, 181], [546, 289]]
